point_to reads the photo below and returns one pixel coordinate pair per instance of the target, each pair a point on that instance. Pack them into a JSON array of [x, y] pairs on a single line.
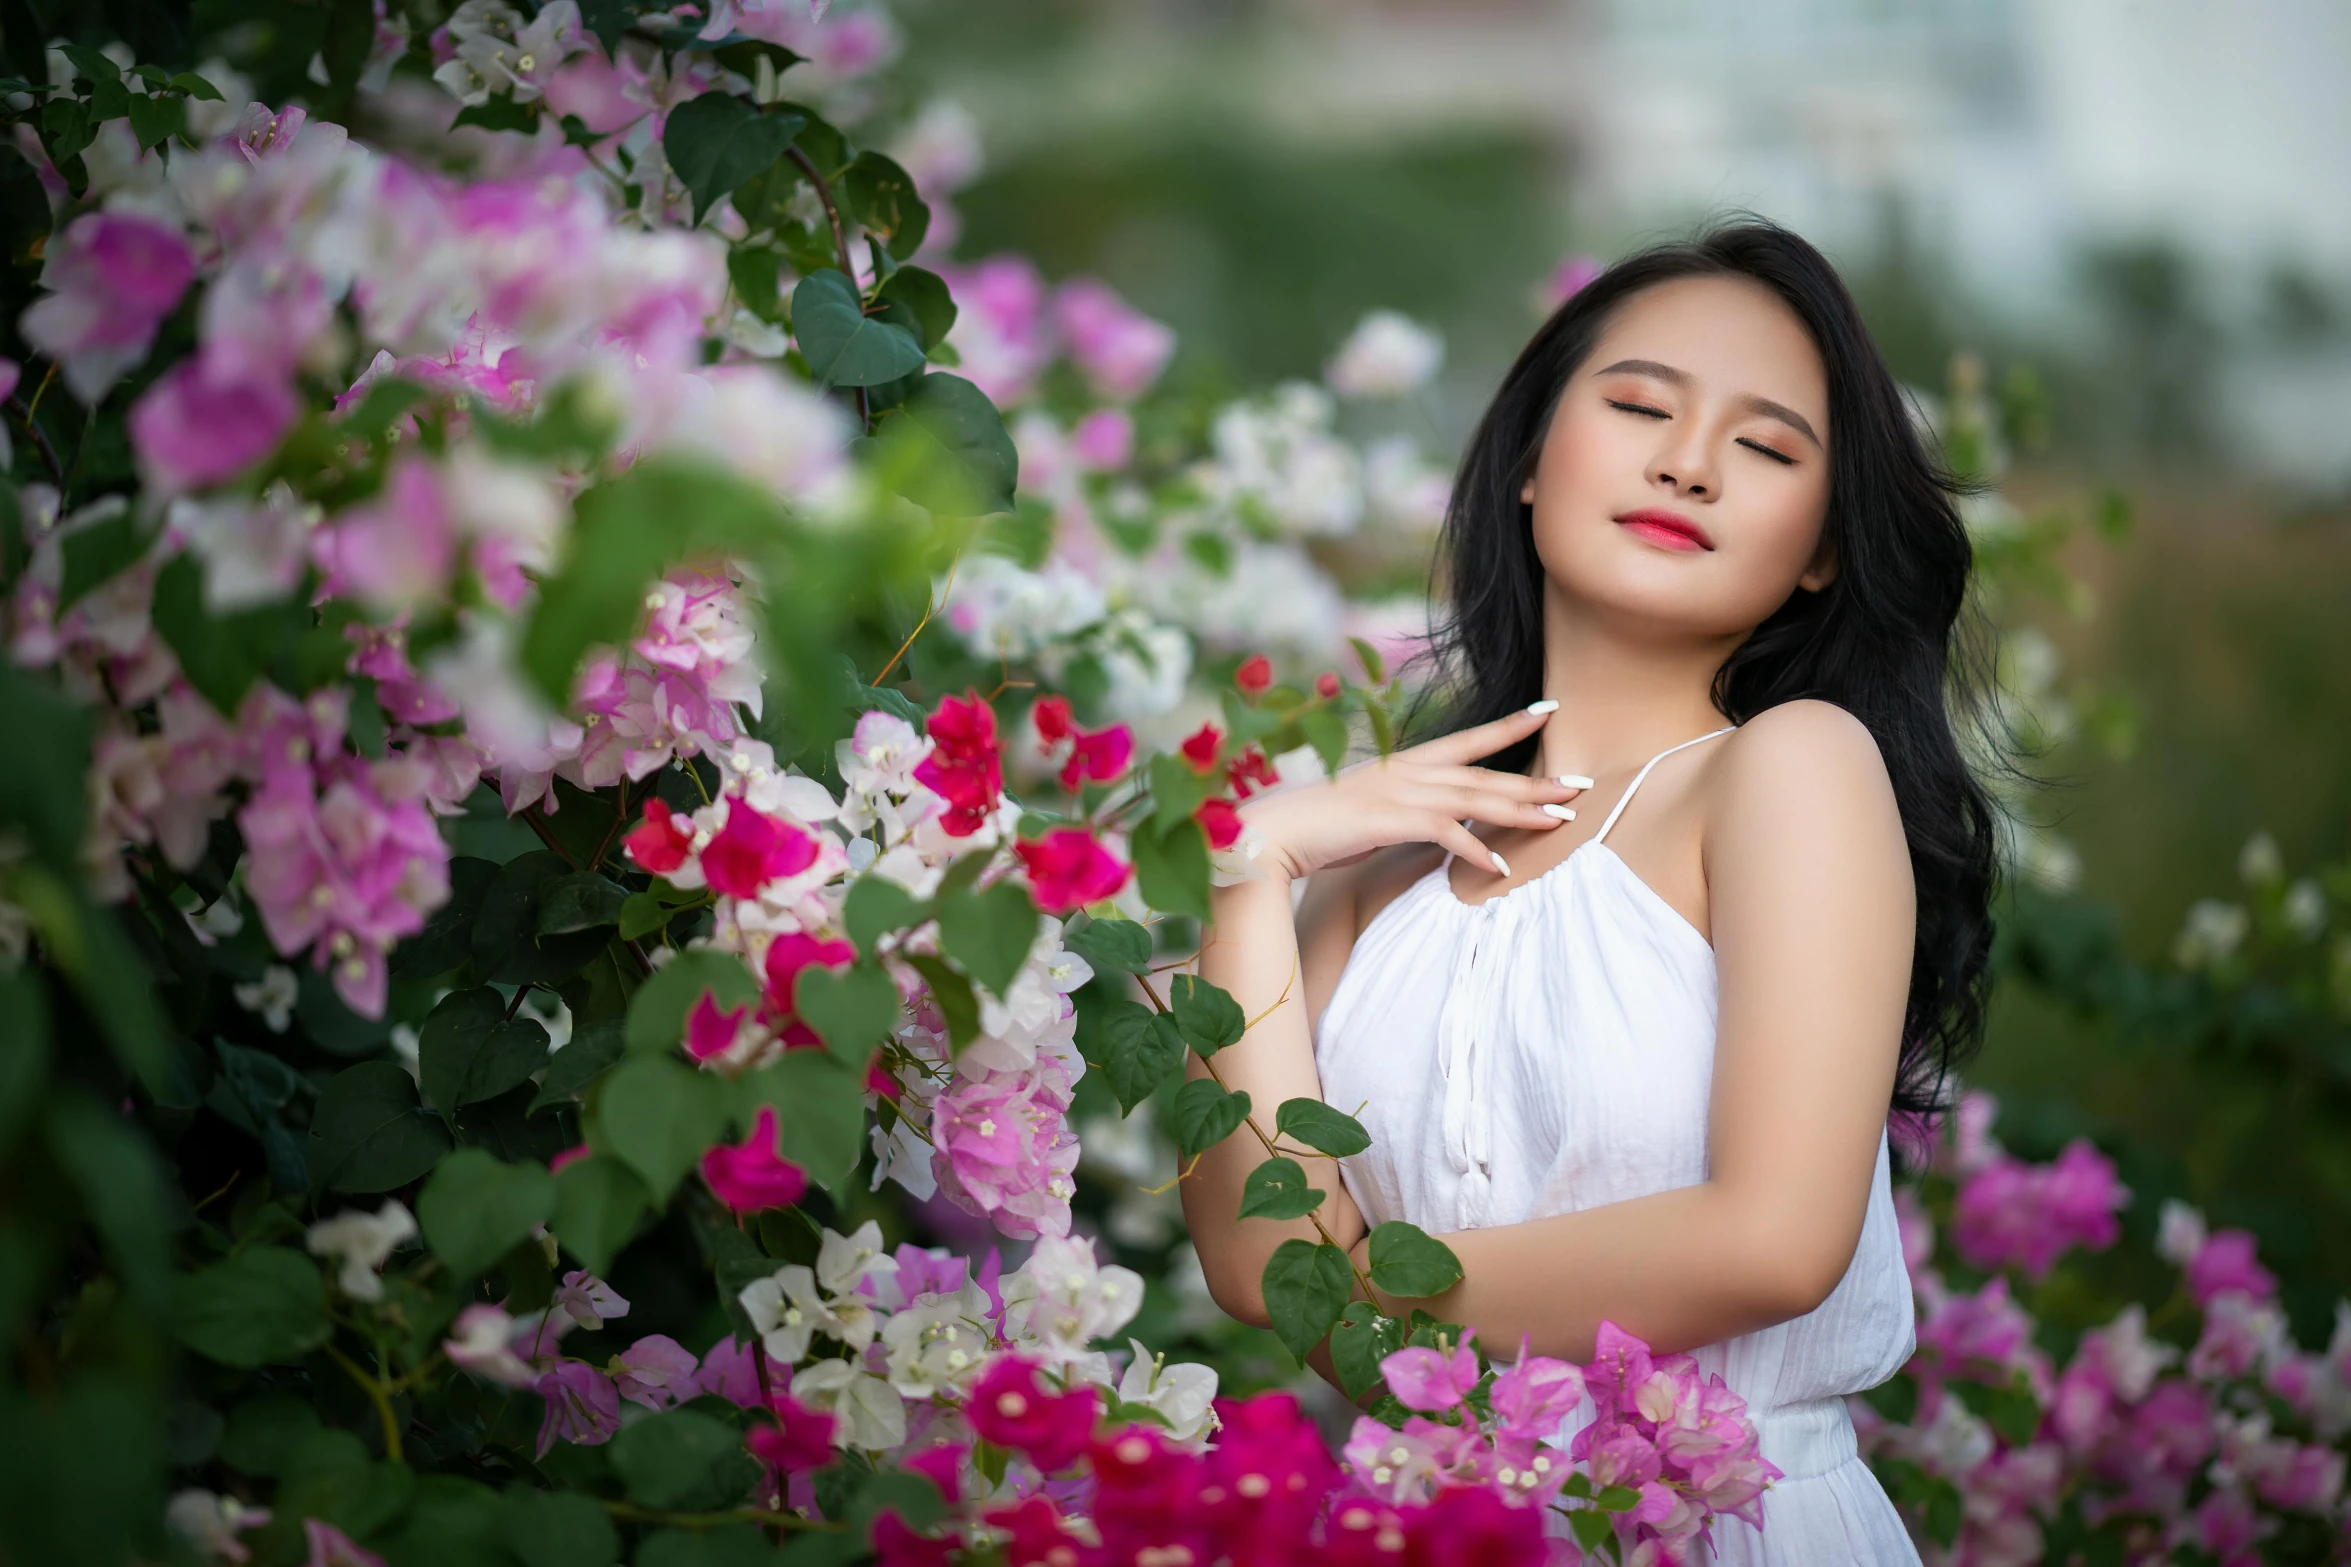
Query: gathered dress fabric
[[1552, 1049]]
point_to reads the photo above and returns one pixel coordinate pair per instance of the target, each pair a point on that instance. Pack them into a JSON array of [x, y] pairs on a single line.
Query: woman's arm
[[1811, 903], [1253, 949]]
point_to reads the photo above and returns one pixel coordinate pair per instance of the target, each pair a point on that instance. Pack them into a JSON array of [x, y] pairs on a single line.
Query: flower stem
[[377, 1395], [832, 213]]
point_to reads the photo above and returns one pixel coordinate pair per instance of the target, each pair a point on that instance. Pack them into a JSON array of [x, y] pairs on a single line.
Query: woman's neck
[[1622, 699]]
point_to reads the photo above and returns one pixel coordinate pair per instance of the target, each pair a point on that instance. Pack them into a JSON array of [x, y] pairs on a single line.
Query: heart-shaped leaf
[[852, 1008], [1206, 1115], [1277, 1189], [1321, 1128], [842, 344], [717, 141], [1407, 1261]]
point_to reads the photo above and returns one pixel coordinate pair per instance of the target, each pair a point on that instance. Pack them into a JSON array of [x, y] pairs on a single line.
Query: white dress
[[1551, 1049]]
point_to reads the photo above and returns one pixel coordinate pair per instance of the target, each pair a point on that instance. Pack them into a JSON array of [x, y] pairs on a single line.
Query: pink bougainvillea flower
[[482, 1342], [711, 1033], [1470, 1526], [397, 551], [1054, 720], [1145, 1497], [801, 1438], [1249, 772], [2010, 1214], [1012, 1406], [897, 1545], [1532, 1397], [1036, 1532], [1254, 675], [331, 1547], [655, 1371], [2226, 1261], [1568, 280], [588, 1300], [1098, 755], [661, 842], [1620, 1364], [964, 767], [1120, 350], [1220, 821], [753, 849], [1199, 748], [583, 1406], [1267, 1478], [788, 956], [199, 424], [751, 1175], [113, 277], [1068, 868], [942, 1462], [1103, 440], [730, 1371], [1431, 1380]]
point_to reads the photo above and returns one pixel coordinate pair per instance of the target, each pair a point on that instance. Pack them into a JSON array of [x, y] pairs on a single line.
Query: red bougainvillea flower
[[787, 955], [1254, 675], [964, 768], [897, 1545], [751, 1175], [1146, 1497], [801, 1438], [1038, 1533], [1055, 723], [1200, 747], [710, 1032], [1013, 1407], [1326, 685], [1100, 755], [661, 842], [1220, 821], [1249, 772], [752, 850], [1068, 869]]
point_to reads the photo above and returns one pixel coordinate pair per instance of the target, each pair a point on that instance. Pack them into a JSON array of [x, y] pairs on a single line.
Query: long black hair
[[1889, 640]]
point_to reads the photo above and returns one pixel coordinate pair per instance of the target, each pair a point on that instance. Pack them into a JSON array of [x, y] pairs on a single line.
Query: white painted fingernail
[[1574, 781], [1560, 811], [1500, 863], [1547, 705]]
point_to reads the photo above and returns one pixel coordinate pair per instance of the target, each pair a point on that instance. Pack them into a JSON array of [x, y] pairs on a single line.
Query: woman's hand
[[1418, 795]]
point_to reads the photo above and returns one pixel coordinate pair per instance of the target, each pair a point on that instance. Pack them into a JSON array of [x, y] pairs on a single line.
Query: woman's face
[[1685, 477]]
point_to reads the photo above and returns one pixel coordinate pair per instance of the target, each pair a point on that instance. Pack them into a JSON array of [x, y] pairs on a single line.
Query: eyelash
[[1782, 458]]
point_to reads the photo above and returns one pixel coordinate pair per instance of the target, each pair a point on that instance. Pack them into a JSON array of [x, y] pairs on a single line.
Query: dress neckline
[[1444, 879]]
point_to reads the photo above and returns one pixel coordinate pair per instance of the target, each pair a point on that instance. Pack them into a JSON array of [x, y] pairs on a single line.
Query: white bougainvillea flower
[[271, 997], [1387, 355], [867, 1412], [1062, 1298], [481, 1343], [588, 1300], [937, 1342], [1183, 1395], [362, 1242], [212, 1523], [845, 1261]]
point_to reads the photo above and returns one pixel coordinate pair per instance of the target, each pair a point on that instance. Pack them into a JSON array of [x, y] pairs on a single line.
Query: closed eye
[[1636, 408], [1782, 458]]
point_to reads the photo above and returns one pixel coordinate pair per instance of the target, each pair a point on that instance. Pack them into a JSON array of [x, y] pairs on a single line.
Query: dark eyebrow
[[1762, 405]]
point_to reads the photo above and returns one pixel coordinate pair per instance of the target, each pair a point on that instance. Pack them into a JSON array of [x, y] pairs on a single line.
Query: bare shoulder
[[1804, 756]]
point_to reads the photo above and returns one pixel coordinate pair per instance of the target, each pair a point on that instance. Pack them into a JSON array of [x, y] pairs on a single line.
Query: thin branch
[[515, 1005], [620, 816], [40, 391], [376, 1395], [24, 416], [932, 608], [832, 213], [759, 1515], [538, 824]]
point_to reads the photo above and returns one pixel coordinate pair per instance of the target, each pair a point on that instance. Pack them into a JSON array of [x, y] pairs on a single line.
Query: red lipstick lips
[[1665, 529]]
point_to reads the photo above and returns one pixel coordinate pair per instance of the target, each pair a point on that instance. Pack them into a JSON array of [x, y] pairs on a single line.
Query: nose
[[1684, 462]]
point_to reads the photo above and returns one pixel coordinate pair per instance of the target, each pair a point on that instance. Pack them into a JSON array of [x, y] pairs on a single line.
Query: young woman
[[1630, 1047]]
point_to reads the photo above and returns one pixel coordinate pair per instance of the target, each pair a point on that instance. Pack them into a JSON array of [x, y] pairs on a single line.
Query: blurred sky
[[2006, 146]]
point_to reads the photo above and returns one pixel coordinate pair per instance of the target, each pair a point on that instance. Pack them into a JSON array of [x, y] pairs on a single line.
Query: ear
[[1823, 569], [1526, 492]]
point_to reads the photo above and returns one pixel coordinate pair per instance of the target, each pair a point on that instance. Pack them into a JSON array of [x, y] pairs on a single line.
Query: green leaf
[[658, 1117], [559, 1529], [447, 937], [683, 1461], [333, 1480], [641, 914], [41, 789], [1171, 868], [842, 344], [882, 197], [1321, 1128], [1111, 946], [476, 1208], [876, 907], [1359, 1343], [2012, 1411], [1896, 1398], [1209, 1016], [266, 1433], [594, 1049], [453, 1523], [368, 1133], [1375, 669], [852, 1008], [657, 1014], [717, 141], [122, 1185], [755, 270], [581, 901], [1592, 1527], [598, 1202], [989, 932], [155, 120], [195, 86], [953, 995], [820, 1112], [1407, 1261], [1277, 1189], [1326, 731], [469, 1050], [1306, 1287], [1206, 1115], [498, 113], [221, 655], [925, 293], [627, 531], [65, 130], [506, 944], [24, 1065], [945, 448], [1141, 1047], [1617, 1499], [91, 63], [263, 1306], [95, 553]]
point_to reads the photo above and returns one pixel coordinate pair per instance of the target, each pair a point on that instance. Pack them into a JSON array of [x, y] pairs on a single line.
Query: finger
[[1454, 836], [1517, 786], [1497, 809], [1483, 739]]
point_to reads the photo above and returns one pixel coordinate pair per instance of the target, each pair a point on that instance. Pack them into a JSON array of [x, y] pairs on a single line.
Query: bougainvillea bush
[[516, 845]]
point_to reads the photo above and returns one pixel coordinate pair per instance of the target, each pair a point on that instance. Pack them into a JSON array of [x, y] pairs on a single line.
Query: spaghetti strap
[[1634, 786]]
